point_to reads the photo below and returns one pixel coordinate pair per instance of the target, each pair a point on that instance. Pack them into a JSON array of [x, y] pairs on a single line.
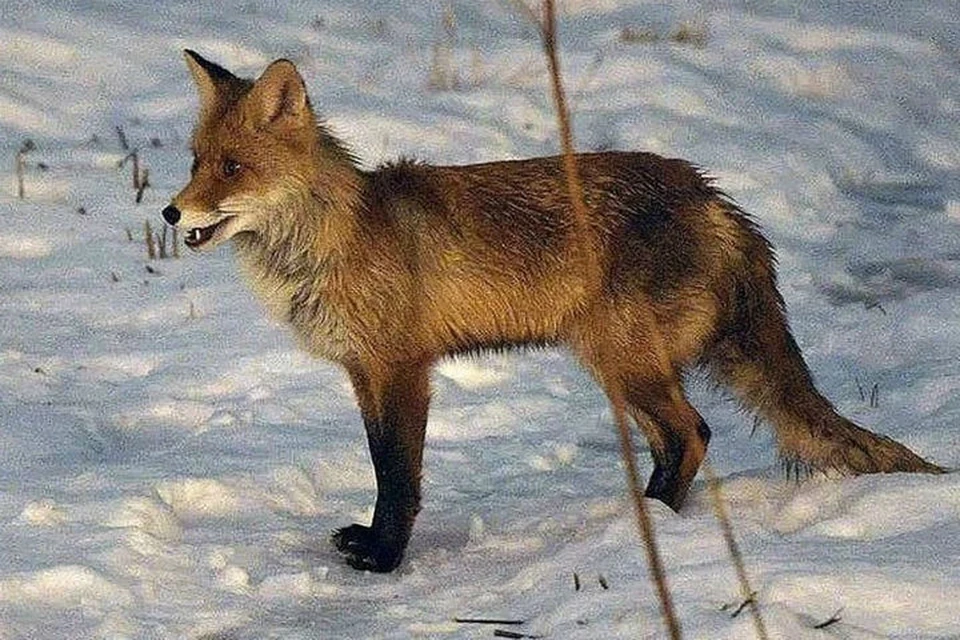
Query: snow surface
[[170, 465]]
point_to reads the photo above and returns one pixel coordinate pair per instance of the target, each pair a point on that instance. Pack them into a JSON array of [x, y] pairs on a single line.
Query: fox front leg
[[395, 418]]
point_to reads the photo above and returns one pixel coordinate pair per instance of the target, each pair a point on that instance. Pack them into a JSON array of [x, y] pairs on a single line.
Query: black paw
[[664, 486], [363, 550]]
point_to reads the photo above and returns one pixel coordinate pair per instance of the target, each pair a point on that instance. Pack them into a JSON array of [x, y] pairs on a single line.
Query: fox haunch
[[386, 271]]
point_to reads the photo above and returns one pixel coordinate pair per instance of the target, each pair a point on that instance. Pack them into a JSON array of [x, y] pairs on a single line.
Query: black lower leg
[[668, 483], [380, 546], [395, 417]]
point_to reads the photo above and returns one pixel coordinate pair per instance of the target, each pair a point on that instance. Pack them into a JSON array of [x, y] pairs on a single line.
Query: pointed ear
[[211, 79], [280, 96]]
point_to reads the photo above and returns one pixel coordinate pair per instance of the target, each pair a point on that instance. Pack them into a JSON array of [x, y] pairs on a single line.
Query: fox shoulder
[[407, 187]]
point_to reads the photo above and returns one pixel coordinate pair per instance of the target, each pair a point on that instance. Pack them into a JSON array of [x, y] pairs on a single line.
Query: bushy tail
[[755, 354]]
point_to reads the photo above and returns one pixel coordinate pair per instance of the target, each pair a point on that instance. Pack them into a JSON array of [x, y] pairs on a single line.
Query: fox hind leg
[[631, 364], [677, 434]]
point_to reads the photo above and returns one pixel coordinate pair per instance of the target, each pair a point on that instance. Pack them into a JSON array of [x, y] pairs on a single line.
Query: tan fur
[[386, 271]]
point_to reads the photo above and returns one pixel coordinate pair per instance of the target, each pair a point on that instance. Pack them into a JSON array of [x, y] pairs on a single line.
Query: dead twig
[[740, 607], [134, 157], [136, 169], [506, 623], [726, 527], [874, 304], [122, 137], [591, 269], [144, 182], [500, 633], [832, 620], [162, 243], [140, 176], [25, 148], [148, 239]]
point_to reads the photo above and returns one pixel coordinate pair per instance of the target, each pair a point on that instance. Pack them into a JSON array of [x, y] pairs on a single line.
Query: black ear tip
[[212, 69]]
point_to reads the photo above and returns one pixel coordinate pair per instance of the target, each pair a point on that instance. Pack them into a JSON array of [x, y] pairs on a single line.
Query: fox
[[385, 271]]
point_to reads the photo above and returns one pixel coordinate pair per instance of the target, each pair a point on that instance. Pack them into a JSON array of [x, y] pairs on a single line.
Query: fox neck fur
[[297, 258]]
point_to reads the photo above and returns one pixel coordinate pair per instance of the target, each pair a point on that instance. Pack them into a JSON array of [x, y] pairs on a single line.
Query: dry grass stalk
[[162, 243], [504, 622], [136, 169], [726, 527], [645, 525], [591, 268], [140, 176], [122, 138], [25, 148], [150, 242], [832, 620], [142, 183], [21, 194]]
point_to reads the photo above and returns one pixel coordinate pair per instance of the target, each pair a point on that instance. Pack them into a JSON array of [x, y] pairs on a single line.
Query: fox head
[[257, 150]]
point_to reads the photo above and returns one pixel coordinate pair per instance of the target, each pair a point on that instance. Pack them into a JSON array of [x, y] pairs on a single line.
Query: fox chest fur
[[297, 295]]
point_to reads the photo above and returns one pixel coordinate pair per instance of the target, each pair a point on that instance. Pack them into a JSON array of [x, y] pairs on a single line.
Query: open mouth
[[196, 238]]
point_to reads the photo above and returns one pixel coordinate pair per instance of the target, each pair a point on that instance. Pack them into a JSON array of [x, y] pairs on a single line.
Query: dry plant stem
[[122, 137], [726, 527], [148, 239], [574, 184], [162, 243], [506, 623], [644, 524], [20, 169], [832, 620], [142, 183], [592, 271]]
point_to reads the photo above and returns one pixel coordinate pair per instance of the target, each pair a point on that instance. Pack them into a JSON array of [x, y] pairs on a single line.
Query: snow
[[171, 465]]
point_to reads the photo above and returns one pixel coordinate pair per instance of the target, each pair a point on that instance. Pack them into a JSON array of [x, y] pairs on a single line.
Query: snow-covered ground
[[170, 465]]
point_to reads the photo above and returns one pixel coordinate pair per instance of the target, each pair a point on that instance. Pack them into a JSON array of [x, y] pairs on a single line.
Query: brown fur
[[386, 271]]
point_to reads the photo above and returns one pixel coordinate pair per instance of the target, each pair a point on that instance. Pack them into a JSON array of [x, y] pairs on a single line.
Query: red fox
[[384, 272]]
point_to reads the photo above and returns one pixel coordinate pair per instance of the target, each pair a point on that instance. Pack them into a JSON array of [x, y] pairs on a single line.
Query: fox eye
[[230, 168]]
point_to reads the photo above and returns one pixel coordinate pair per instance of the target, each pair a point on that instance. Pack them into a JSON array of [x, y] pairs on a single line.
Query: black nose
[[171, 214]]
